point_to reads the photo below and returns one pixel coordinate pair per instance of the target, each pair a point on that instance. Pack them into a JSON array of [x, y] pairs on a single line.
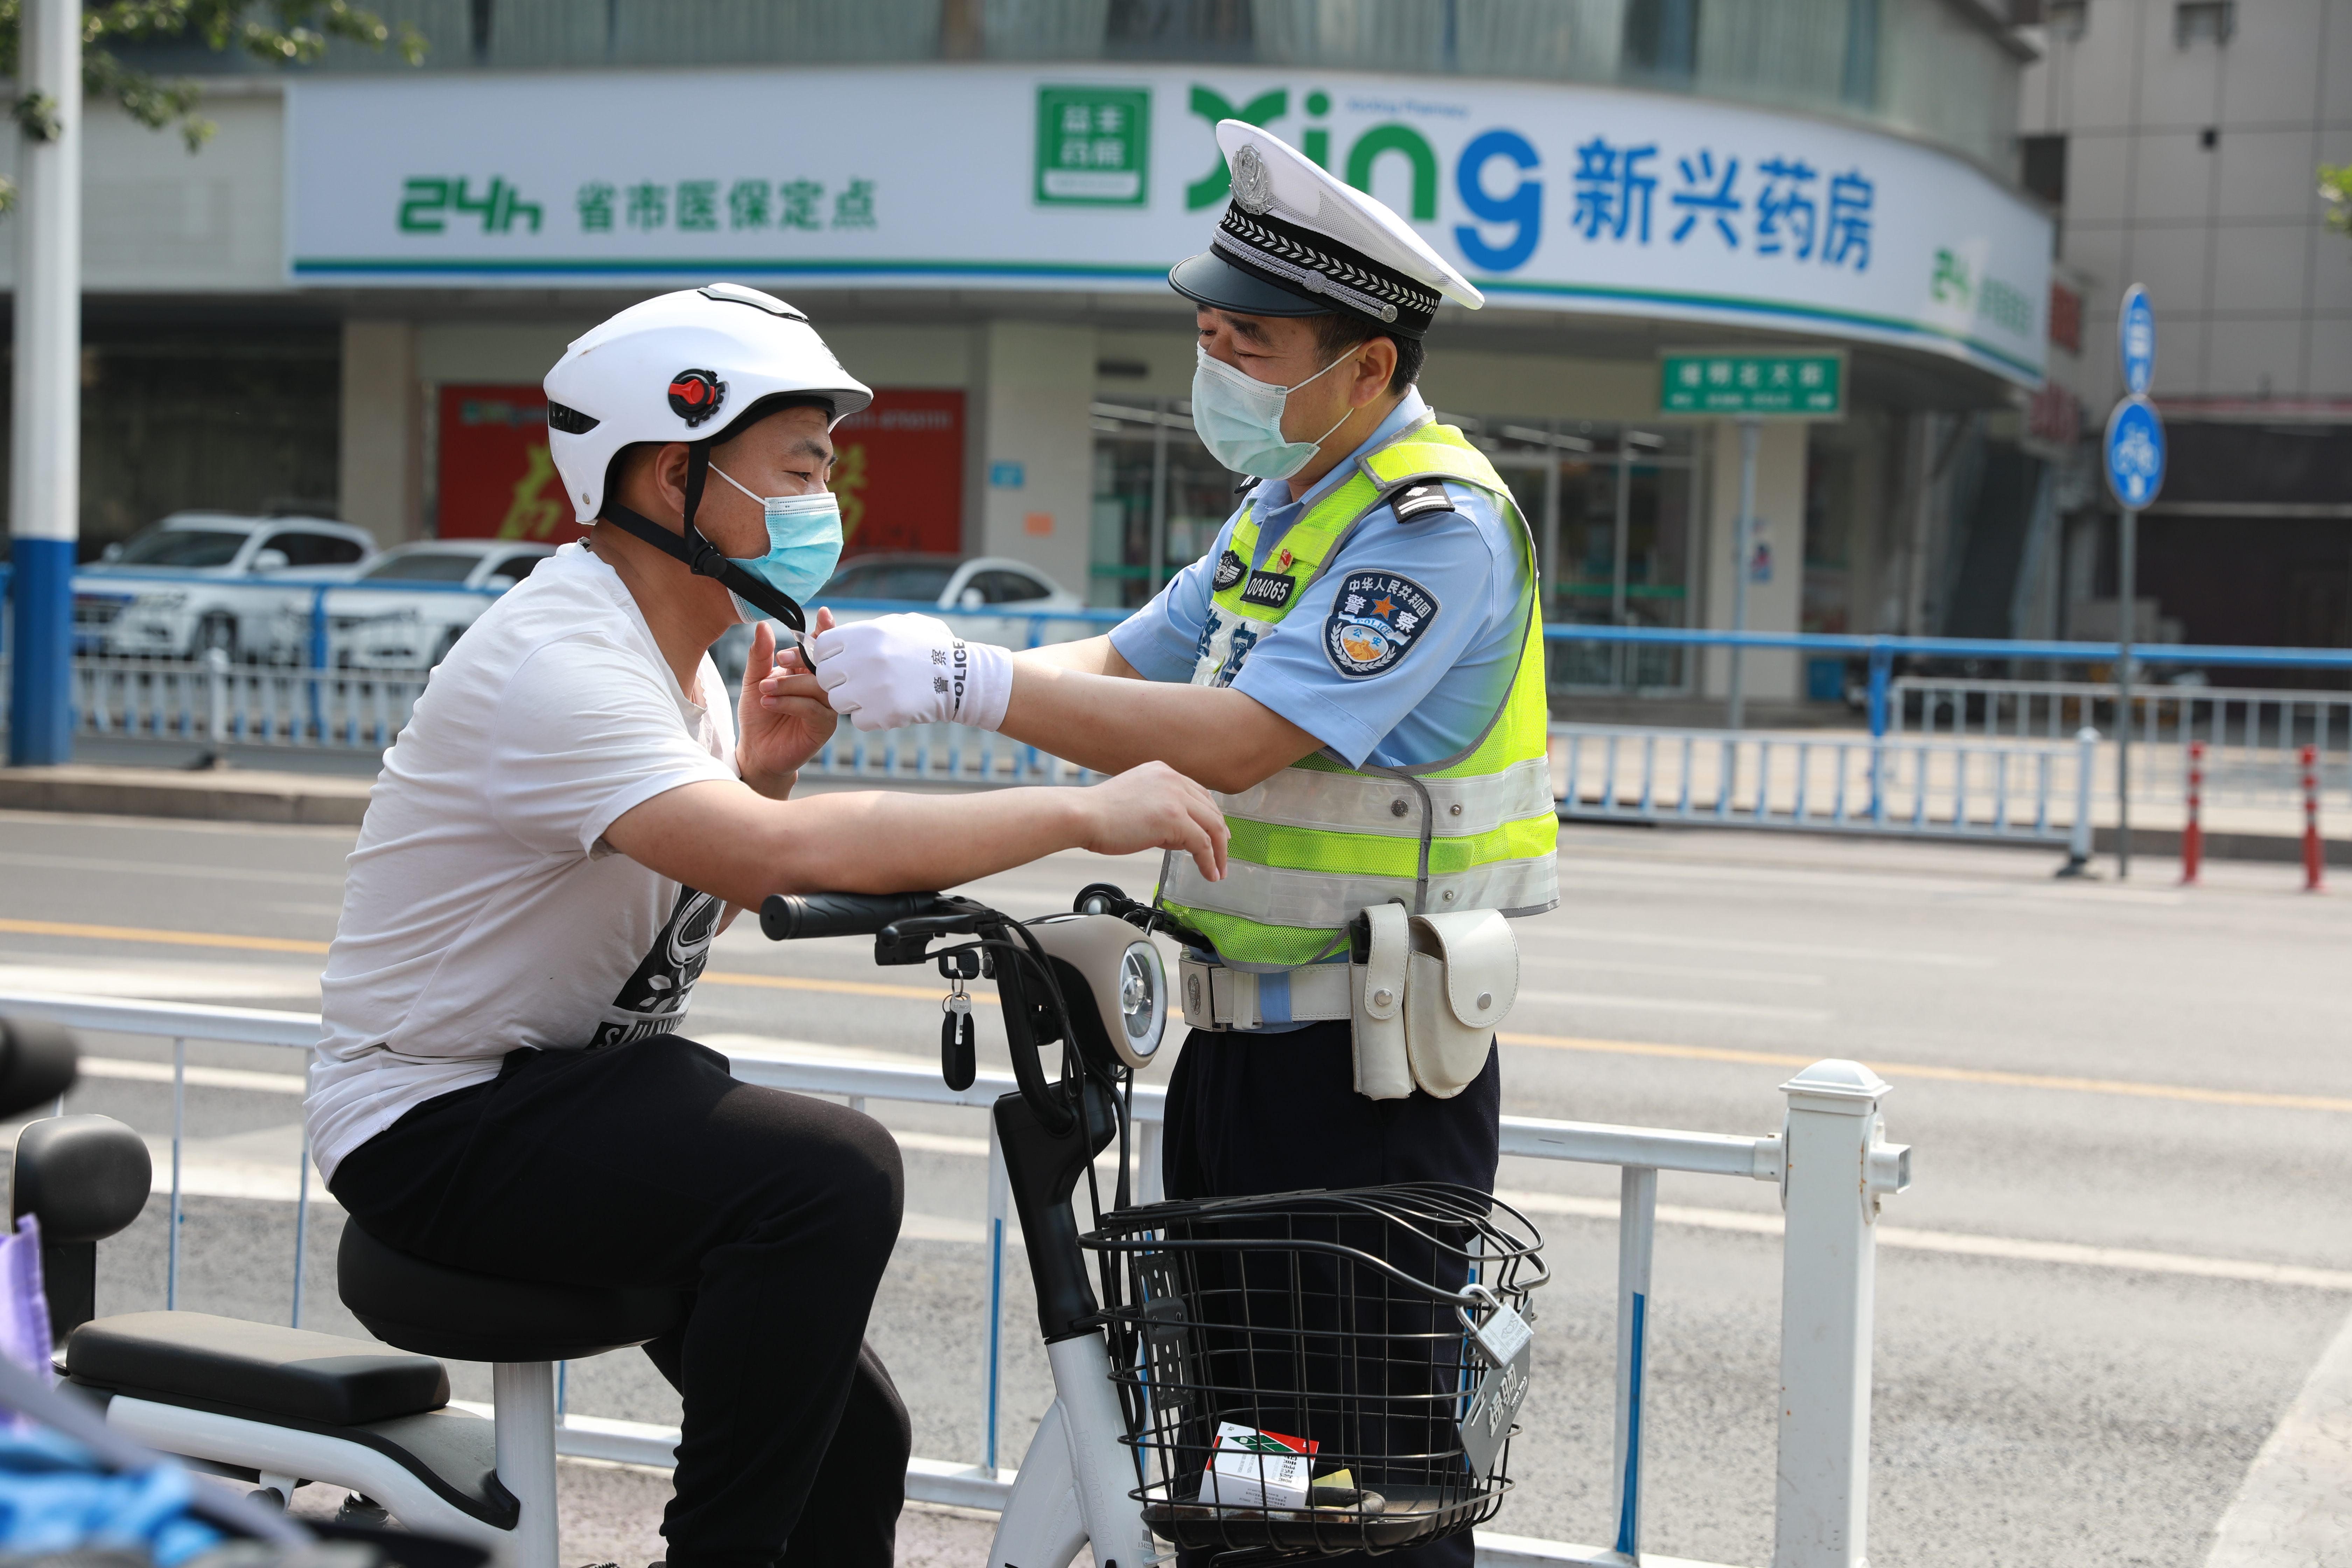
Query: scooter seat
[[259, 1367], [439, 1312]]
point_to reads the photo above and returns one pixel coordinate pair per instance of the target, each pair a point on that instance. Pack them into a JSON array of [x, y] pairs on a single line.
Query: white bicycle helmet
[[691, 366]]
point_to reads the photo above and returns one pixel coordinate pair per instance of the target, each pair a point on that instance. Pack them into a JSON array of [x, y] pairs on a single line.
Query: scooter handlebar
[[785, 917]]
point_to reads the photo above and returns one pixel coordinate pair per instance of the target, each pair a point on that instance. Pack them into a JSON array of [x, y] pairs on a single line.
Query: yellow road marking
[[845, 987], [2253, 1098], [170, 938], [2181, 1093]]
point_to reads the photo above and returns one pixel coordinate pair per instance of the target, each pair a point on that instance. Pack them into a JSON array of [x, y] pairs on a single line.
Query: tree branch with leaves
[[275, 33], [2336, 190]]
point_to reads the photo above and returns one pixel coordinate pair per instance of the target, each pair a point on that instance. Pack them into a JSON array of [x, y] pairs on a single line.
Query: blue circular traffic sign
[[2135, 340], [2134, 453]]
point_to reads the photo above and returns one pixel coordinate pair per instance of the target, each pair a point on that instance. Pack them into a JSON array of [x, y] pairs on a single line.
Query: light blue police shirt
[[1431, 703], [1427, 705]]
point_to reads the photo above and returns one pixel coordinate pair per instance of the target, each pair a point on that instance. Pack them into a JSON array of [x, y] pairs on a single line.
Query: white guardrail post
[[1834, 1170], [216, 695], [2078, 840]]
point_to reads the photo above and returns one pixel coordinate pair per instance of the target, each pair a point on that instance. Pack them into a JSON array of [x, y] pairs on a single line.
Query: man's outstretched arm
[[726, 839], [1083, 702]]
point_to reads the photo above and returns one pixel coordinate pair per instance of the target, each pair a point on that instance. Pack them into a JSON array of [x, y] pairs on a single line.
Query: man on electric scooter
[[568, 819], [1356, 667]]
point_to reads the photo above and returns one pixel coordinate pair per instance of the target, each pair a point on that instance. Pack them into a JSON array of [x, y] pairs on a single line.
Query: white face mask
[[1239, 418]]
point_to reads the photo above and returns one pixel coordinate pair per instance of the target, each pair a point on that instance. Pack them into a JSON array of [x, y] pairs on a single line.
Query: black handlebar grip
[[785, 917]]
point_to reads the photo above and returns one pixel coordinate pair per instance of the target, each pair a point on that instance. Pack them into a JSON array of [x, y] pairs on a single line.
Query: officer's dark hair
[[1336, 333]]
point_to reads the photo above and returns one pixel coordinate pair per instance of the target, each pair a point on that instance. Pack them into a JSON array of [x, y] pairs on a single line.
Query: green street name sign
[[1753, 385]]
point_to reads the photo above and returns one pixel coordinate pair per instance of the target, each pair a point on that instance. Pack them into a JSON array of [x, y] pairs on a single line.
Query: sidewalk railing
[[214, 701], [2023, 792], [1830, 1148], [2254, 736]]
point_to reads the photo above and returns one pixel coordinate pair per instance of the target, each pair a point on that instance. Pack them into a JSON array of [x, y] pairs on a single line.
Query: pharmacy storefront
[[987, 245]]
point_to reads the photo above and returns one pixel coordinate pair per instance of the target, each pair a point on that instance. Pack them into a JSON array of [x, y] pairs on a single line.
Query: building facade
[[2179, 143], [347, 298]]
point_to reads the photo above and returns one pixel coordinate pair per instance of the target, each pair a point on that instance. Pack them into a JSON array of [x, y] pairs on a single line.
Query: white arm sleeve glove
[[904, 670]]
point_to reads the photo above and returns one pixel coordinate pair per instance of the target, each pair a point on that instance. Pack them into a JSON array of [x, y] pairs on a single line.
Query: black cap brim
[[1210, 279]]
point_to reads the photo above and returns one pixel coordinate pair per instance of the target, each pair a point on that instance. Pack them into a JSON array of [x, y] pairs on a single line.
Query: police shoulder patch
[[1415, 501], [1376, 618]]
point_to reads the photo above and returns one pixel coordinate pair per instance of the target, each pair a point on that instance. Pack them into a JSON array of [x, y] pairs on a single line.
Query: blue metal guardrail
[[1879, 652]]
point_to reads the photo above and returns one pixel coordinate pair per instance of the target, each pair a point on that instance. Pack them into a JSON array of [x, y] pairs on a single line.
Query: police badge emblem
[[1374, 622], [1253, 186]]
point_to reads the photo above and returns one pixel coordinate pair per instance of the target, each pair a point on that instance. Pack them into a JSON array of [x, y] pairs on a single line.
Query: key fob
[[959, 1061]]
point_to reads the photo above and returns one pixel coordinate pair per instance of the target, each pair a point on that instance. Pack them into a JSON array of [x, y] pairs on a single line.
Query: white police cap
[[1296, 242]]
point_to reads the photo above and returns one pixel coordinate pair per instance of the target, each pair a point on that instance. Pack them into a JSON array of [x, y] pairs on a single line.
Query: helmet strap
[[698, 554]]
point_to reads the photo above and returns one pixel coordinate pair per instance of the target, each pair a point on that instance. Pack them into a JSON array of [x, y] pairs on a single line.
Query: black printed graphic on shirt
[[653, 1000]]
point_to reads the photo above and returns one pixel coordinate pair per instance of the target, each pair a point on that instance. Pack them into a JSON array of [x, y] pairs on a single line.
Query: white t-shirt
[[483, 912]]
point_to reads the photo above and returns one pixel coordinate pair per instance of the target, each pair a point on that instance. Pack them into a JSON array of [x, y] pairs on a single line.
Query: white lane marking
[[2295, 1506], [159, 869], [1638, 873], [1965, 1245], [164, 981], [1686, 971], [292, 1083], [1680, 1004], [944, 1143], [1545, 928]]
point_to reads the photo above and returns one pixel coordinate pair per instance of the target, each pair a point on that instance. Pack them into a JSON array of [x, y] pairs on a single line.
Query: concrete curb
[[226, 796]]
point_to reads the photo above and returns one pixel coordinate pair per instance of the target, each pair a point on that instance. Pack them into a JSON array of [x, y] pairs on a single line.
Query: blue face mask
[[1239, 418], [804, 547]]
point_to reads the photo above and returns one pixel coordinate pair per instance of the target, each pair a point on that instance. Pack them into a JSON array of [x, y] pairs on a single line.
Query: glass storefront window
[[1159, 499], [1613, 509]]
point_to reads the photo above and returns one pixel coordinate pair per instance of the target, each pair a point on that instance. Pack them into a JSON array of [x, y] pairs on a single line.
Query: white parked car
[[963, 585], [407, 609], [988, 598], [203, 580]]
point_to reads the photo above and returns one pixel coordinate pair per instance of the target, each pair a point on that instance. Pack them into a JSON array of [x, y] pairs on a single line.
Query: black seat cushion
[[423, 1307], [281, 1371]]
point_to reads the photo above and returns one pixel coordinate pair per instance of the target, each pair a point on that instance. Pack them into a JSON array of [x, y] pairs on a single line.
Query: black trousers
[[647, 1165], [1249, 1113]]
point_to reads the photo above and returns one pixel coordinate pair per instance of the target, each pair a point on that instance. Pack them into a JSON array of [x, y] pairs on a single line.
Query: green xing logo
[[1315, 140]]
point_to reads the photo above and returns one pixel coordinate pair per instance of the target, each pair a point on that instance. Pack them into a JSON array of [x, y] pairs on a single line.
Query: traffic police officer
[[1357, 665]]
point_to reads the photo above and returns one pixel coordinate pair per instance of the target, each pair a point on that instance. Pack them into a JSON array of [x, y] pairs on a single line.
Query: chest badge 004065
[[1375, 621]]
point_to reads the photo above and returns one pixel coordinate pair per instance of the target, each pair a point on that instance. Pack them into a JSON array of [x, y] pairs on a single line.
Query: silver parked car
[[203, 580], [988, 598], [407, 609]]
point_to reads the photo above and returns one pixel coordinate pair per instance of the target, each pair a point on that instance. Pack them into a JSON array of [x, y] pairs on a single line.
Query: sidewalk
[[228, 794]]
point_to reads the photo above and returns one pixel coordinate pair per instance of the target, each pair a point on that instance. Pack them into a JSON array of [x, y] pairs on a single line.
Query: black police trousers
[[1249, 1113], [647, 1165]]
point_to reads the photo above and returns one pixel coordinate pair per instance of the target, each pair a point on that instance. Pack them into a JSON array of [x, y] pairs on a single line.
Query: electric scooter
[[1147, 1375], [1391, 1320]]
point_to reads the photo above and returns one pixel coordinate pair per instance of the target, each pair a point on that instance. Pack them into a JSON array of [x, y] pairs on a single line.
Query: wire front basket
[[1299, 1372]]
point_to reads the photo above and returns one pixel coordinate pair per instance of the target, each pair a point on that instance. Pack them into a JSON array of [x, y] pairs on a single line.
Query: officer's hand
[[904, 670], [1153, 806], [783, 720]]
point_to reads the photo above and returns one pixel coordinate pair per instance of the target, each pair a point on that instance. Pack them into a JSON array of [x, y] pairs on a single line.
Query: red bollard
[[2314, 853], [2192, 837]]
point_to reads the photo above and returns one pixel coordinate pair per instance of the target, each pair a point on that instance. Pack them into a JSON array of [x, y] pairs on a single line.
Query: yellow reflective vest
[[1319, 840]]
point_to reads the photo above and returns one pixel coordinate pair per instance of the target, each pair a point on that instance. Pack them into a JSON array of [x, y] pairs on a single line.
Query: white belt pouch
[[1428, 997]]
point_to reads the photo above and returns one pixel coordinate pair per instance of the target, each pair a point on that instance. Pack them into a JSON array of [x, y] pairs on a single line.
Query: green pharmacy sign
[[1753, 385], [1094, 146]]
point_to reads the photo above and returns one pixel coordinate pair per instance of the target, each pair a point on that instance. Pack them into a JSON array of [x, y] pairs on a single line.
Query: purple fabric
[[24, 1307]]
